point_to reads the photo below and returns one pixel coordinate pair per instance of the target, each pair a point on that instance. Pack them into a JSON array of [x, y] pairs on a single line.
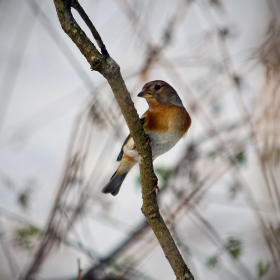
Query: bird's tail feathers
[[115, 183]]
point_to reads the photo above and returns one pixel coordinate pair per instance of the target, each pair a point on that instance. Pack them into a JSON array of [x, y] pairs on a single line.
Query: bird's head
[[160, 92]]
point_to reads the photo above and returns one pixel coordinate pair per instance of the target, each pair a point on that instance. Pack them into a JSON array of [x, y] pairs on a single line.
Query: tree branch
[[76, 5], [106, 66]]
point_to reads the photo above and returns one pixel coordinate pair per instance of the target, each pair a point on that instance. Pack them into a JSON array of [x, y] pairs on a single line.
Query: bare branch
[[76, 5], [79, 270]]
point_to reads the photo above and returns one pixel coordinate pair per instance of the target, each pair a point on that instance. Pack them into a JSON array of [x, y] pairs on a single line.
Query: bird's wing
[[119, 158]]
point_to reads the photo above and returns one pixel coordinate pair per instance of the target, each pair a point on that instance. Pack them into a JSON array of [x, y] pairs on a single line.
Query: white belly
[[161, 143]]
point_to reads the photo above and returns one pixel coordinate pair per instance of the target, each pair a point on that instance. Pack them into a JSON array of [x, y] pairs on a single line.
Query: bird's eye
[[157, 87]]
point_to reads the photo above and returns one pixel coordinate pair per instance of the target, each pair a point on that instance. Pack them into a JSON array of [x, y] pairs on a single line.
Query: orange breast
[[162, 118]]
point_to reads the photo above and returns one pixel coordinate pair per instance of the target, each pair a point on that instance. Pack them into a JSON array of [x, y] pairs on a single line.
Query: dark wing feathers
[[119, 158], [142, 120]]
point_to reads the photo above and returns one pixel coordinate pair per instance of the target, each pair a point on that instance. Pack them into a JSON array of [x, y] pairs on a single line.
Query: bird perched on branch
[[165, 122]]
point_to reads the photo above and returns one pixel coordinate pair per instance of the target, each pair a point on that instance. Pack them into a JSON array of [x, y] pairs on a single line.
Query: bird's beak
[[145, 94]]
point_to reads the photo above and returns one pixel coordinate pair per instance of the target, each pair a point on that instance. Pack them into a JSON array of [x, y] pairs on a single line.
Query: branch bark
[[106, 66]]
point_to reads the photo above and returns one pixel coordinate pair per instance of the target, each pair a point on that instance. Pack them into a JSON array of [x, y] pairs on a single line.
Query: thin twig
[[79, 270], [76, 5]]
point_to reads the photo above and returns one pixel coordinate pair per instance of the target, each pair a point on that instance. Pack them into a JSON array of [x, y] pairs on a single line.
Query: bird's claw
[[156, 188], [148, 141]]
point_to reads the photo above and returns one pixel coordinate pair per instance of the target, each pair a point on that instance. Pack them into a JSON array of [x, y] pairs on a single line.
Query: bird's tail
[[115, 183], [116, 180]]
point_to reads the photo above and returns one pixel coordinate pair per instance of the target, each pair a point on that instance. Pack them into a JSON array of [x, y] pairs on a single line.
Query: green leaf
[[212, 262], [262, 269], [234, 246]]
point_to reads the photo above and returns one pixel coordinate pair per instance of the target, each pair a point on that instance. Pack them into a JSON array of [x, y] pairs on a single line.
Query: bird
[[165, 122]]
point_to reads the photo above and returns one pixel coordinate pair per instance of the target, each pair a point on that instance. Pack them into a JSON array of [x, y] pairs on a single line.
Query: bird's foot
[[148, 141], [156, 188]]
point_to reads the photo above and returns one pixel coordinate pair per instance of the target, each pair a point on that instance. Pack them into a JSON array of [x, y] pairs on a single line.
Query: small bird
[[165, 122]]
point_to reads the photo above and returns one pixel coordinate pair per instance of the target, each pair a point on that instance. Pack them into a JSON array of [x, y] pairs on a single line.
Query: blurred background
[[61, 131]]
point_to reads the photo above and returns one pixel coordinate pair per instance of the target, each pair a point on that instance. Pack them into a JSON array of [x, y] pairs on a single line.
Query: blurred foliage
[[234, 246], [240, 158], [212, 262], [262, 269], [163, 173], [25, 237], [234, 190]]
